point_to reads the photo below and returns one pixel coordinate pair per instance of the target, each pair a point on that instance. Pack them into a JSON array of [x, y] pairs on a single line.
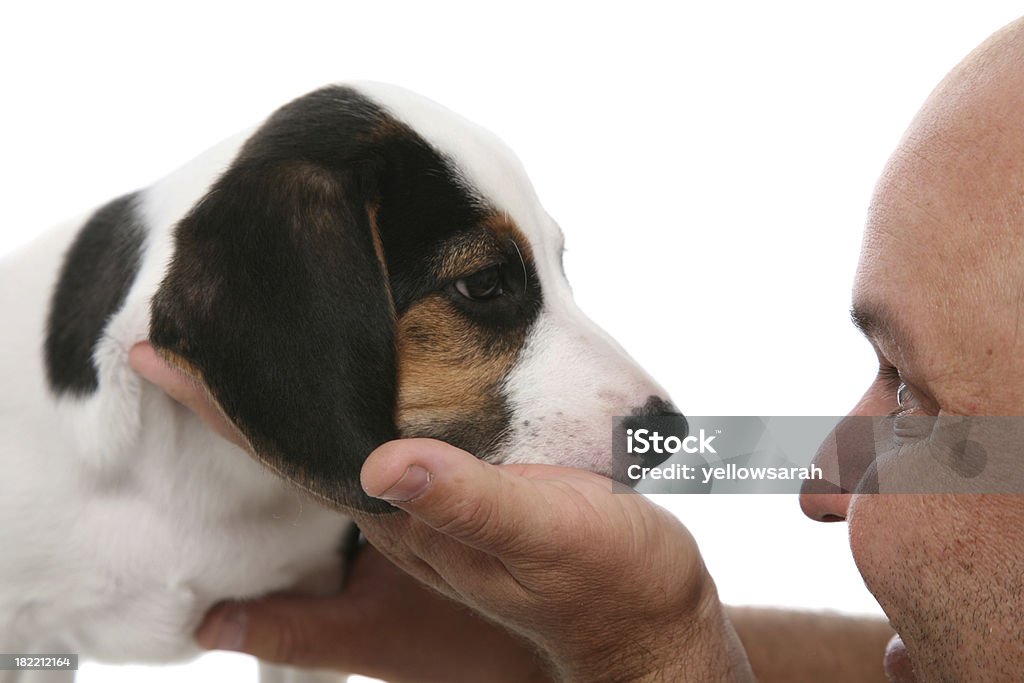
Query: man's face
[[939, 294]]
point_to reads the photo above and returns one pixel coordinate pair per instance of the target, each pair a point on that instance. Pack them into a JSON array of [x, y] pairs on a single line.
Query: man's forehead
[[933, 263], [941, 254], [951, 329], [953, 191]]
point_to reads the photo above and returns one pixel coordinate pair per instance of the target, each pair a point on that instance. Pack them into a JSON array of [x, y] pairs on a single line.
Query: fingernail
[[231, 632], [411, 486]]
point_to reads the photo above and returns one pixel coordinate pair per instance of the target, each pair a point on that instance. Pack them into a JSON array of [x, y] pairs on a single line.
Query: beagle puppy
[[362, 266]]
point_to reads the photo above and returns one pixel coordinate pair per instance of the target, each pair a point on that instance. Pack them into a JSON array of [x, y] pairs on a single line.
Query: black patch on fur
[[98, 271], [277, 298]]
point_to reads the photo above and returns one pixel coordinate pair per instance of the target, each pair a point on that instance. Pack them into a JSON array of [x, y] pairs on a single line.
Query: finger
[[284, 629], [453, 492], [397, 630], [144, 359]]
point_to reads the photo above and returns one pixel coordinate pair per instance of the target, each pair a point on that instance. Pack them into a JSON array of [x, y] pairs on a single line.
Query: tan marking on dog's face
[[446, 375], [473, 252], [451, 367]]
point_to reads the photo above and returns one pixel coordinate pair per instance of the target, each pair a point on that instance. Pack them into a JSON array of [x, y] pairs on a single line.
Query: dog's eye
[[482, 285]]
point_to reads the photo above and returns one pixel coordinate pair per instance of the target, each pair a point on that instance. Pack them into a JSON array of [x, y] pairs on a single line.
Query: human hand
[[610, 587], [384, 624]]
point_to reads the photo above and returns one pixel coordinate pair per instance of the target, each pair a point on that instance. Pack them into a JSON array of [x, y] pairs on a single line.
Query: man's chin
[[897, 663]]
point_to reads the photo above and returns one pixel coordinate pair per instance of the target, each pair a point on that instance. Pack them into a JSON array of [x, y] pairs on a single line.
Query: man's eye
[[482, 285], [903, 396], [906, 401]]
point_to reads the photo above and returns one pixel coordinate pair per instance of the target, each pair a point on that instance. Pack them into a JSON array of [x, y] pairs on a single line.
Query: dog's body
[[364, 265], [127, 518]]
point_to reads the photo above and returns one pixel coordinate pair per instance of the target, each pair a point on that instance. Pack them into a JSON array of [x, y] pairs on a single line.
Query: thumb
[[451, 491], [285, 629]]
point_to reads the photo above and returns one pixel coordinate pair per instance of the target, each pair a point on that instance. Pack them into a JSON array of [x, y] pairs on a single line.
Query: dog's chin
[[594, 458], [578, 464], [569, 449]]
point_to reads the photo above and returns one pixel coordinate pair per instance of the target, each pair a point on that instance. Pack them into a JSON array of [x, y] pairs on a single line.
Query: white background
[[710, 165]]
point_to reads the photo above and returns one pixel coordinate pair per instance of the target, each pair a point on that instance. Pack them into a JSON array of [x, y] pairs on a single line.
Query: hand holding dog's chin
[[609, 587]]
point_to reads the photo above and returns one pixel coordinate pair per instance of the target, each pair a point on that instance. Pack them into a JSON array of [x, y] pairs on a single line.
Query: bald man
[[548, 575], [939, 294]]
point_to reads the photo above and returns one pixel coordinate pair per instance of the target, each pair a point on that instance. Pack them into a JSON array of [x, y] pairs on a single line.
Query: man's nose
[[825, 507], [846, 457]]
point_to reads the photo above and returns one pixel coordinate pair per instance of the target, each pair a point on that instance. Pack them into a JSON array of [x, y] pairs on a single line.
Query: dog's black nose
[[661, 416]]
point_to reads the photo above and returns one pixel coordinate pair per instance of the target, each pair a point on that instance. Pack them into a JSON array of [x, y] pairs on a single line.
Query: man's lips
[[897, 663]]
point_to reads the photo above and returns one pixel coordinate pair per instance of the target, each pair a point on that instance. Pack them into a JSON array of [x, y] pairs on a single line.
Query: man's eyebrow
[[864, 320], [875, 321]]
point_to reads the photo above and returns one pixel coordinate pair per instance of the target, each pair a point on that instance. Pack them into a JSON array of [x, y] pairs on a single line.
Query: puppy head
[[370, 266]]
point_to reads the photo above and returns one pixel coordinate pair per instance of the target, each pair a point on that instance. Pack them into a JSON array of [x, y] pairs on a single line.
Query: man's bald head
[[944, 245]]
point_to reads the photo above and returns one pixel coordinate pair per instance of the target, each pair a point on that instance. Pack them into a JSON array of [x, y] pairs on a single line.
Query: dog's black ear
[[277, 300]]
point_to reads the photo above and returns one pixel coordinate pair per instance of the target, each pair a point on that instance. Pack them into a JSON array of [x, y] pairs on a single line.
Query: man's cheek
[[891, 545], [938, 566]]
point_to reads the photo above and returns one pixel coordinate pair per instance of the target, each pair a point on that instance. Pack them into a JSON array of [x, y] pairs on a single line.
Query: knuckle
[[294, 643], [284, 646], [474, 519]]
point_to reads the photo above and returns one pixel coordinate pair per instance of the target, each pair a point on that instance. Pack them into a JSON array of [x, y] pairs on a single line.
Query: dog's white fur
[[125, 519]]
